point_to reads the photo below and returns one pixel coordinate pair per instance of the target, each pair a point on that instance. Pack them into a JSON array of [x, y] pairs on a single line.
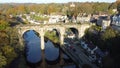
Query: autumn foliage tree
[[7, 48], [3, 60], [9, 53], [85, 7]]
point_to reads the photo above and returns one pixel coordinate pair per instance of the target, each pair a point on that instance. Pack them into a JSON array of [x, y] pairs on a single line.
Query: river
[[51, 57]]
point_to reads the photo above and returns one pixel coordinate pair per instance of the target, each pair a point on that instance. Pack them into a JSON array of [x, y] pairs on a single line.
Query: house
[[95, 54], [116, 28], [115, 20], [83, 19], [89, 47], [57, 18], [103, 21], [71, 36], [32, 12], [53, 20], [99, 52], [84, 45], [105, 24], [114, 10]]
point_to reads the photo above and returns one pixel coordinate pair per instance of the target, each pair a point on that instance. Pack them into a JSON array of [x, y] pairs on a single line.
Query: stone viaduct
[[41, 29]]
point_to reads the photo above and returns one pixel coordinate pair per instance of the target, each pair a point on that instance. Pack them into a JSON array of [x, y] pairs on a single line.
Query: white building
[[56, 18], [114, 10], [53, 20], [116, 20], [72, 5], [83, 19], [103, 21], [105, 24], [71, 36], [89, 47], [32, 12]]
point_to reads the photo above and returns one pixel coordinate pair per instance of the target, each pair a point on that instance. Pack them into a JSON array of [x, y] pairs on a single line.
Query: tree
[[20, 9], [3, 38], [108, 62], [100, 7], [3, 24], [3, 61], [9, 53], [118, 6], [52, 36], [111, 40], [108, 34], [85, 8], [51, 8], [92, 34]]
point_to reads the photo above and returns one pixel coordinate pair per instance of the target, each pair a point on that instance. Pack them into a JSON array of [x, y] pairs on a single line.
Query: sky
[[52, 1]]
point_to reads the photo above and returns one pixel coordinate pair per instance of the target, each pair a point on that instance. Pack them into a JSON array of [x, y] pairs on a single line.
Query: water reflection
[[51, 52], [34, 54], [33, 50]]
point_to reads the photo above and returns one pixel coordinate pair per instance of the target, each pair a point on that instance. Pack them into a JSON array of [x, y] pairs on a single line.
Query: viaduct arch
[[41, 29]]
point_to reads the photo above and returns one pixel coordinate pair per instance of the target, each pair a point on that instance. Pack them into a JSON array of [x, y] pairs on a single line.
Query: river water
[[51, 57]]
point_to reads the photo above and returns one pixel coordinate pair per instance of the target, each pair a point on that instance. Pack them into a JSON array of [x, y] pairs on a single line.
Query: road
[[77, 53]]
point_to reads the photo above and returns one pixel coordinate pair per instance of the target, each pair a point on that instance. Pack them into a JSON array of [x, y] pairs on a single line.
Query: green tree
[[52, 36]]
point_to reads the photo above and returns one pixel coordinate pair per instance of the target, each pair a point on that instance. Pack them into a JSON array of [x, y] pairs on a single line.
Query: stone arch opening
[[32, 46], [25, 33], [30, 35], [57, 32], [72, 32], [53, 35]]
